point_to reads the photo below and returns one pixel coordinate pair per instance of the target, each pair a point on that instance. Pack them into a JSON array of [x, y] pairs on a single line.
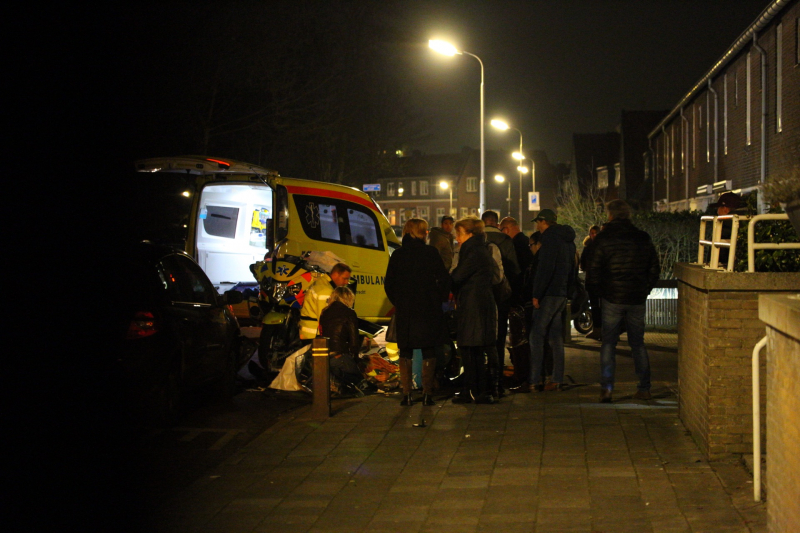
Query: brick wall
[[718, 326], [782, 316], [740, 162]]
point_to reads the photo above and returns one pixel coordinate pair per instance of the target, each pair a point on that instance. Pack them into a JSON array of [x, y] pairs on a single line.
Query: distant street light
[[500, 179], [503, 126], [450, 50], [186, 194], [444, 185]]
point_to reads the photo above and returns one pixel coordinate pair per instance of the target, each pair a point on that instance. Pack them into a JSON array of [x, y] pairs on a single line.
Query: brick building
[[614, 162], [411, 188], [739, 124]]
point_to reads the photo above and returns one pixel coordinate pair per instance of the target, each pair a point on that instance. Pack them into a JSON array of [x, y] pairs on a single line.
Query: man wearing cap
[[728, 203], [556, 265]]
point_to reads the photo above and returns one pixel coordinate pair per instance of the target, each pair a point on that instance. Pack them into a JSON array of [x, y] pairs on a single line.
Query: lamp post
[[450, 50], [444, 185], [503, 126]]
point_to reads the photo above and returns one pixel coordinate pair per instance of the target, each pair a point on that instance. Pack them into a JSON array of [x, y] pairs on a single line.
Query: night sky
[[553, 68]]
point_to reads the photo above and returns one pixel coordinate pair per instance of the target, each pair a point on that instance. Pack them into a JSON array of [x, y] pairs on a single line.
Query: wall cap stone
[[714, 280], [781, 312]]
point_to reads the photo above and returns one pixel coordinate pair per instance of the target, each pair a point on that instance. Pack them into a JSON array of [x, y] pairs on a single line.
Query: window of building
[[694, 137], [400, 188], [413, 188], [423, 187], [617, 175], [391, 214], [390, 188], [735, 89], [602, 177], [797, 41], [439, 213], [472, 185], [725, 113], [708, 126], [779, 79], [749, 133], [423, 212], [473, 211], [464, 212]]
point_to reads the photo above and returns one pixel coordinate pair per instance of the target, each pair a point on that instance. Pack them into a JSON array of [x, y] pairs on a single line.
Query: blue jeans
[[613, 316], [547, 316]]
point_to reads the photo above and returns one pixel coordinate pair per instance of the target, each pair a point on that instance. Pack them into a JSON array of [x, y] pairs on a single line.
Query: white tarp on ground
[[287, 377]]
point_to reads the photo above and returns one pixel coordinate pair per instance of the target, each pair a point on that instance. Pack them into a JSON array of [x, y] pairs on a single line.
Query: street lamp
[[450, 50], [444, 185], [500, 179], [503, 126]]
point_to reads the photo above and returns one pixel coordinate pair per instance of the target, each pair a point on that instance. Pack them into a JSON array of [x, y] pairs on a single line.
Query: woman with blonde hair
[[417, 284], [476, 311]]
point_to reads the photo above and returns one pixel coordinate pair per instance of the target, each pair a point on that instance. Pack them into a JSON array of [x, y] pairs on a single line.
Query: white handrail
[[752, 245], [757, 420]]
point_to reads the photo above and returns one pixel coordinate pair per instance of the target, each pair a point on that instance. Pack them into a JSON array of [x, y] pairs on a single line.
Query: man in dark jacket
[[442, 239], [556, 263], [511, 271], [623, 271]]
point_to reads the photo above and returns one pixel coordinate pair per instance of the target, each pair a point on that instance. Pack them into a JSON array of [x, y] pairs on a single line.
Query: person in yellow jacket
[[316, 298]]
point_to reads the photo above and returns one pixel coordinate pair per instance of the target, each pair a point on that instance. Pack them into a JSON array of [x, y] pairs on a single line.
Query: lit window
[[423, 187], [472, 184]]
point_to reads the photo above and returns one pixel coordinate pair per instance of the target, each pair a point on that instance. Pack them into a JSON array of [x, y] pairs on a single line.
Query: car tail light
[[142, 325]]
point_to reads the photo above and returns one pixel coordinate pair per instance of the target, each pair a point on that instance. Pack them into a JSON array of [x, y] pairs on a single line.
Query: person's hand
[[535, 303]]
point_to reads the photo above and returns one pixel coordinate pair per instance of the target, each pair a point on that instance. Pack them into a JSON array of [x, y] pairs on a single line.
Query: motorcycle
[[581, 309], [282, 286]]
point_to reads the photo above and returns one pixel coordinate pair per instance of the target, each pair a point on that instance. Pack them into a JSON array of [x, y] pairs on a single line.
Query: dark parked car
[[179, 333]]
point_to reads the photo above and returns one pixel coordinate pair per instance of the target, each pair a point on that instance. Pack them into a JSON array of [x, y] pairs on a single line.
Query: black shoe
[[407, 400], [605, 396], [427, 399], [464, 397], [485, 398], [523, 387]]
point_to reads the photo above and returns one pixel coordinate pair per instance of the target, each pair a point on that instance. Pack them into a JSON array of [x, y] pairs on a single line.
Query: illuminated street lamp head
[[444, 185], [499, 124], [443, 47], [499, 178], [186, 194], [518, 156], [523, 169]]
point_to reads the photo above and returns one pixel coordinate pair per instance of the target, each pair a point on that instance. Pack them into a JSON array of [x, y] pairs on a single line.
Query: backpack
[[500, 285]]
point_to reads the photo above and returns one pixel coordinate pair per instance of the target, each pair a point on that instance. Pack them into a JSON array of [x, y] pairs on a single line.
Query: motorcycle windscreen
[[233, 221]]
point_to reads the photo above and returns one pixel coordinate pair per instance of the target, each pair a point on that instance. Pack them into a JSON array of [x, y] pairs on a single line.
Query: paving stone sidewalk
[[556, 461]]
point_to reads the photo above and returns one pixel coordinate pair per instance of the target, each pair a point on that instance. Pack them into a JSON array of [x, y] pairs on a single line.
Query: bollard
[[567, 319], [321, 407]]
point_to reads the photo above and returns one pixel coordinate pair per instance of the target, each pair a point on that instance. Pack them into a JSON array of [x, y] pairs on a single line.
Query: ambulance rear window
[[338, 221]]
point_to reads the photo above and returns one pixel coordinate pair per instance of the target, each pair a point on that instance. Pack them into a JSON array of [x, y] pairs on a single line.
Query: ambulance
[[242, 213]]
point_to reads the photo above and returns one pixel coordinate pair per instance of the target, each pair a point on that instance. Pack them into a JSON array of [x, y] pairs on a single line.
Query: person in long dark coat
[[476, 311], [417, 283]]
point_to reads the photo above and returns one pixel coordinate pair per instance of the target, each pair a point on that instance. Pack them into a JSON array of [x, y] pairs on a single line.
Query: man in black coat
[[511, 271], [623, 271]]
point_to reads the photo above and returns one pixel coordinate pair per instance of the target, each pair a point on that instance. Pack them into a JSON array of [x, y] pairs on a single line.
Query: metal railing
[[716, 241], [752, 245]]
